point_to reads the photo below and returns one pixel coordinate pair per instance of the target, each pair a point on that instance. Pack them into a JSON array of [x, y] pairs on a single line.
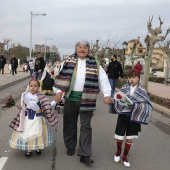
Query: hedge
[[157, 79]]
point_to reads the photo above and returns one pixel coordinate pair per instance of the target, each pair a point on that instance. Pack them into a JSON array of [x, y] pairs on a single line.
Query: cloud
[[68, 21]]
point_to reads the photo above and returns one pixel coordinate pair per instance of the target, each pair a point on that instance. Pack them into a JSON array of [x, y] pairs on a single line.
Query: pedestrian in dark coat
[[115, 73], [2, 63], [14, 65], [39, 66]]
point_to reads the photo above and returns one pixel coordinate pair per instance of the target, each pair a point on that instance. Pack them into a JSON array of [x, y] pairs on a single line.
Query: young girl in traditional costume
[[47, 80], [131, 116], [57, 67], [31, 129]]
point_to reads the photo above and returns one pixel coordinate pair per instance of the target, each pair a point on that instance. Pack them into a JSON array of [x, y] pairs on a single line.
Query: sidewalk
[[159, 89], [7, 80]]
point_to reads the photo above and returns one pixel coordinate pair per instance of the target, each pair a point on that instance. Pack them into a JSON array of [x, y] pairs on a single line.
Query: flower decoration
[[118, 96], [9, 103], [52, 72], [122, 98]]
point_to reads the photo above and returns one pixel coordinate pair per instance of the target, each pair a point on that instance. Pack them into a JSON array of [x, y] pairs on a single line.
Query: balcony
[[154, 61], [157, 57]]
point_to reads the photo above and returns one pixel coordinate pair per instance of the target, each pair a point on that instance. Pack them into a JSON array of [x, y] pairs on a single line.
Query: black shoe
[[86, 160], [38, 152], [28, 154], [70, 152]]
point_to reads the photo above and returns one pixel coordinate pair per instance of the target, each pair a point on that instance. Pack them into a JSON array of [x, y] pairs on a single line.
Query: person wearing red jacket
[[139, 67]]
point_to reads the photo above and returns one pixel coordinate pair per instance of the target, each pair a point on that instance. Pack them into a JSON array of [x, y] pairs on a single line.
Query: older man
[[81, 78]]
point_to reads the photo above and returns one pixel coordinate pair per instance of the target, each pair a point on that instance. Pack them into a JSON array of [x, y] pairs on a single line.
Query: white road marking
[[2, 162]]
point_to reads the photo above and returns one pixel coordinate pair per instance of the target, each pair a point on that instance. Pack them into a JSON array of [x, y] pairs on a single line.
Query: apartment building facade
[[41, 48], [158, 57]]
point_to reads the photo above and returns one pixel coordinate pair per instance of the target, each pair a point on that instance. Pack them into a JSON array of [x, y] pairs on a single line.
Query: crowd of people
[[80, 78], [12, 66]]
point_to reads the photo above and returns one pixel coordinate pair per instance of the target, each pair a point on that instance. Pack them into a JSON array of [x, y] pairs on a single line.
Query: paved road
[[150, 152]]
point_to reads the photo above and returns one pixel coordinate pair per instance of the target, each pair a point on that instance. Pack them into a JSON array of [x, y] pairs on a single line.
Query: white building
[[53, 49]]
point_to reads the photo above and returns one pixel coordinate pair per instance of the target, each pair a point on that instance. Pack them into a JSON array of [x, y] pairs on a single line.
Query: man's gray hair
[[83, 42]]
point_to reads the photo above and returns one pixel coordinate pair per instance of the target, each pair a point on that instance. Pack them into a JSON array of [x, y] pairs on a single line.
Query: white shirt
[[132, 89], [31, 101], [104, 84], [80, 76]]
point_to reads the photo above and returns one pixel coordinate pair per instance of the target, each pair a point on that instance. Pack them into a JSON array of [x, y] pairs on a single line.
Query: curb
[[2, 101], [12, 83], [163, 110]]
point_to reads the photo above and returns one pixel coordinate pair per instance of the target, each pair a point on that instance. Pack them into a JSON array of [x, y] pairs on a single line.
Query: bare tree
[[151, 39], [99, 51], [104, 50], [116, 42], [20, 52], [95, 49], [104, 53], [2, 45], [166, 50]]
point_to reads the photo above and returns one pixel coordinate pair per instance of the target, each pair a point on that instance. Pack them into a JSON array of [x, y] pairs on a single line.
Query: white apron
[[32, 127]]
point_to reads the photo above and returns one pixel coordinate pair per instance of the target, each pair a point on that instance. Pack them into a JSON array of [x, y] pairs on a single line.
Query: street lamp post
[[32, 15], [124, 48], [45, 47]]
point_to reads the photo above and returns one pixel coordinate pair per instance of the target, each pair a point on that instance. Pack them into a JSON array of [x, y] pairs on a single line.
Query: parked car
[[154, 74]]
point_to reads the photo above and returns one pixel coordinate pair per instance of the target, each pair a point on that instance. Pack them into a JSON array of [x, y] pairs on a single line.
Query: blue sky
[[68, 21]]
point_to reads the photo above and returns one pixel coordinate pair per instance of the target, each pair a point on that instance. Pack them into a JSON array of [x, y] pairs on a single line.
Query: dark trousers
[[2, 68], [71, 112], [14, 70]]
